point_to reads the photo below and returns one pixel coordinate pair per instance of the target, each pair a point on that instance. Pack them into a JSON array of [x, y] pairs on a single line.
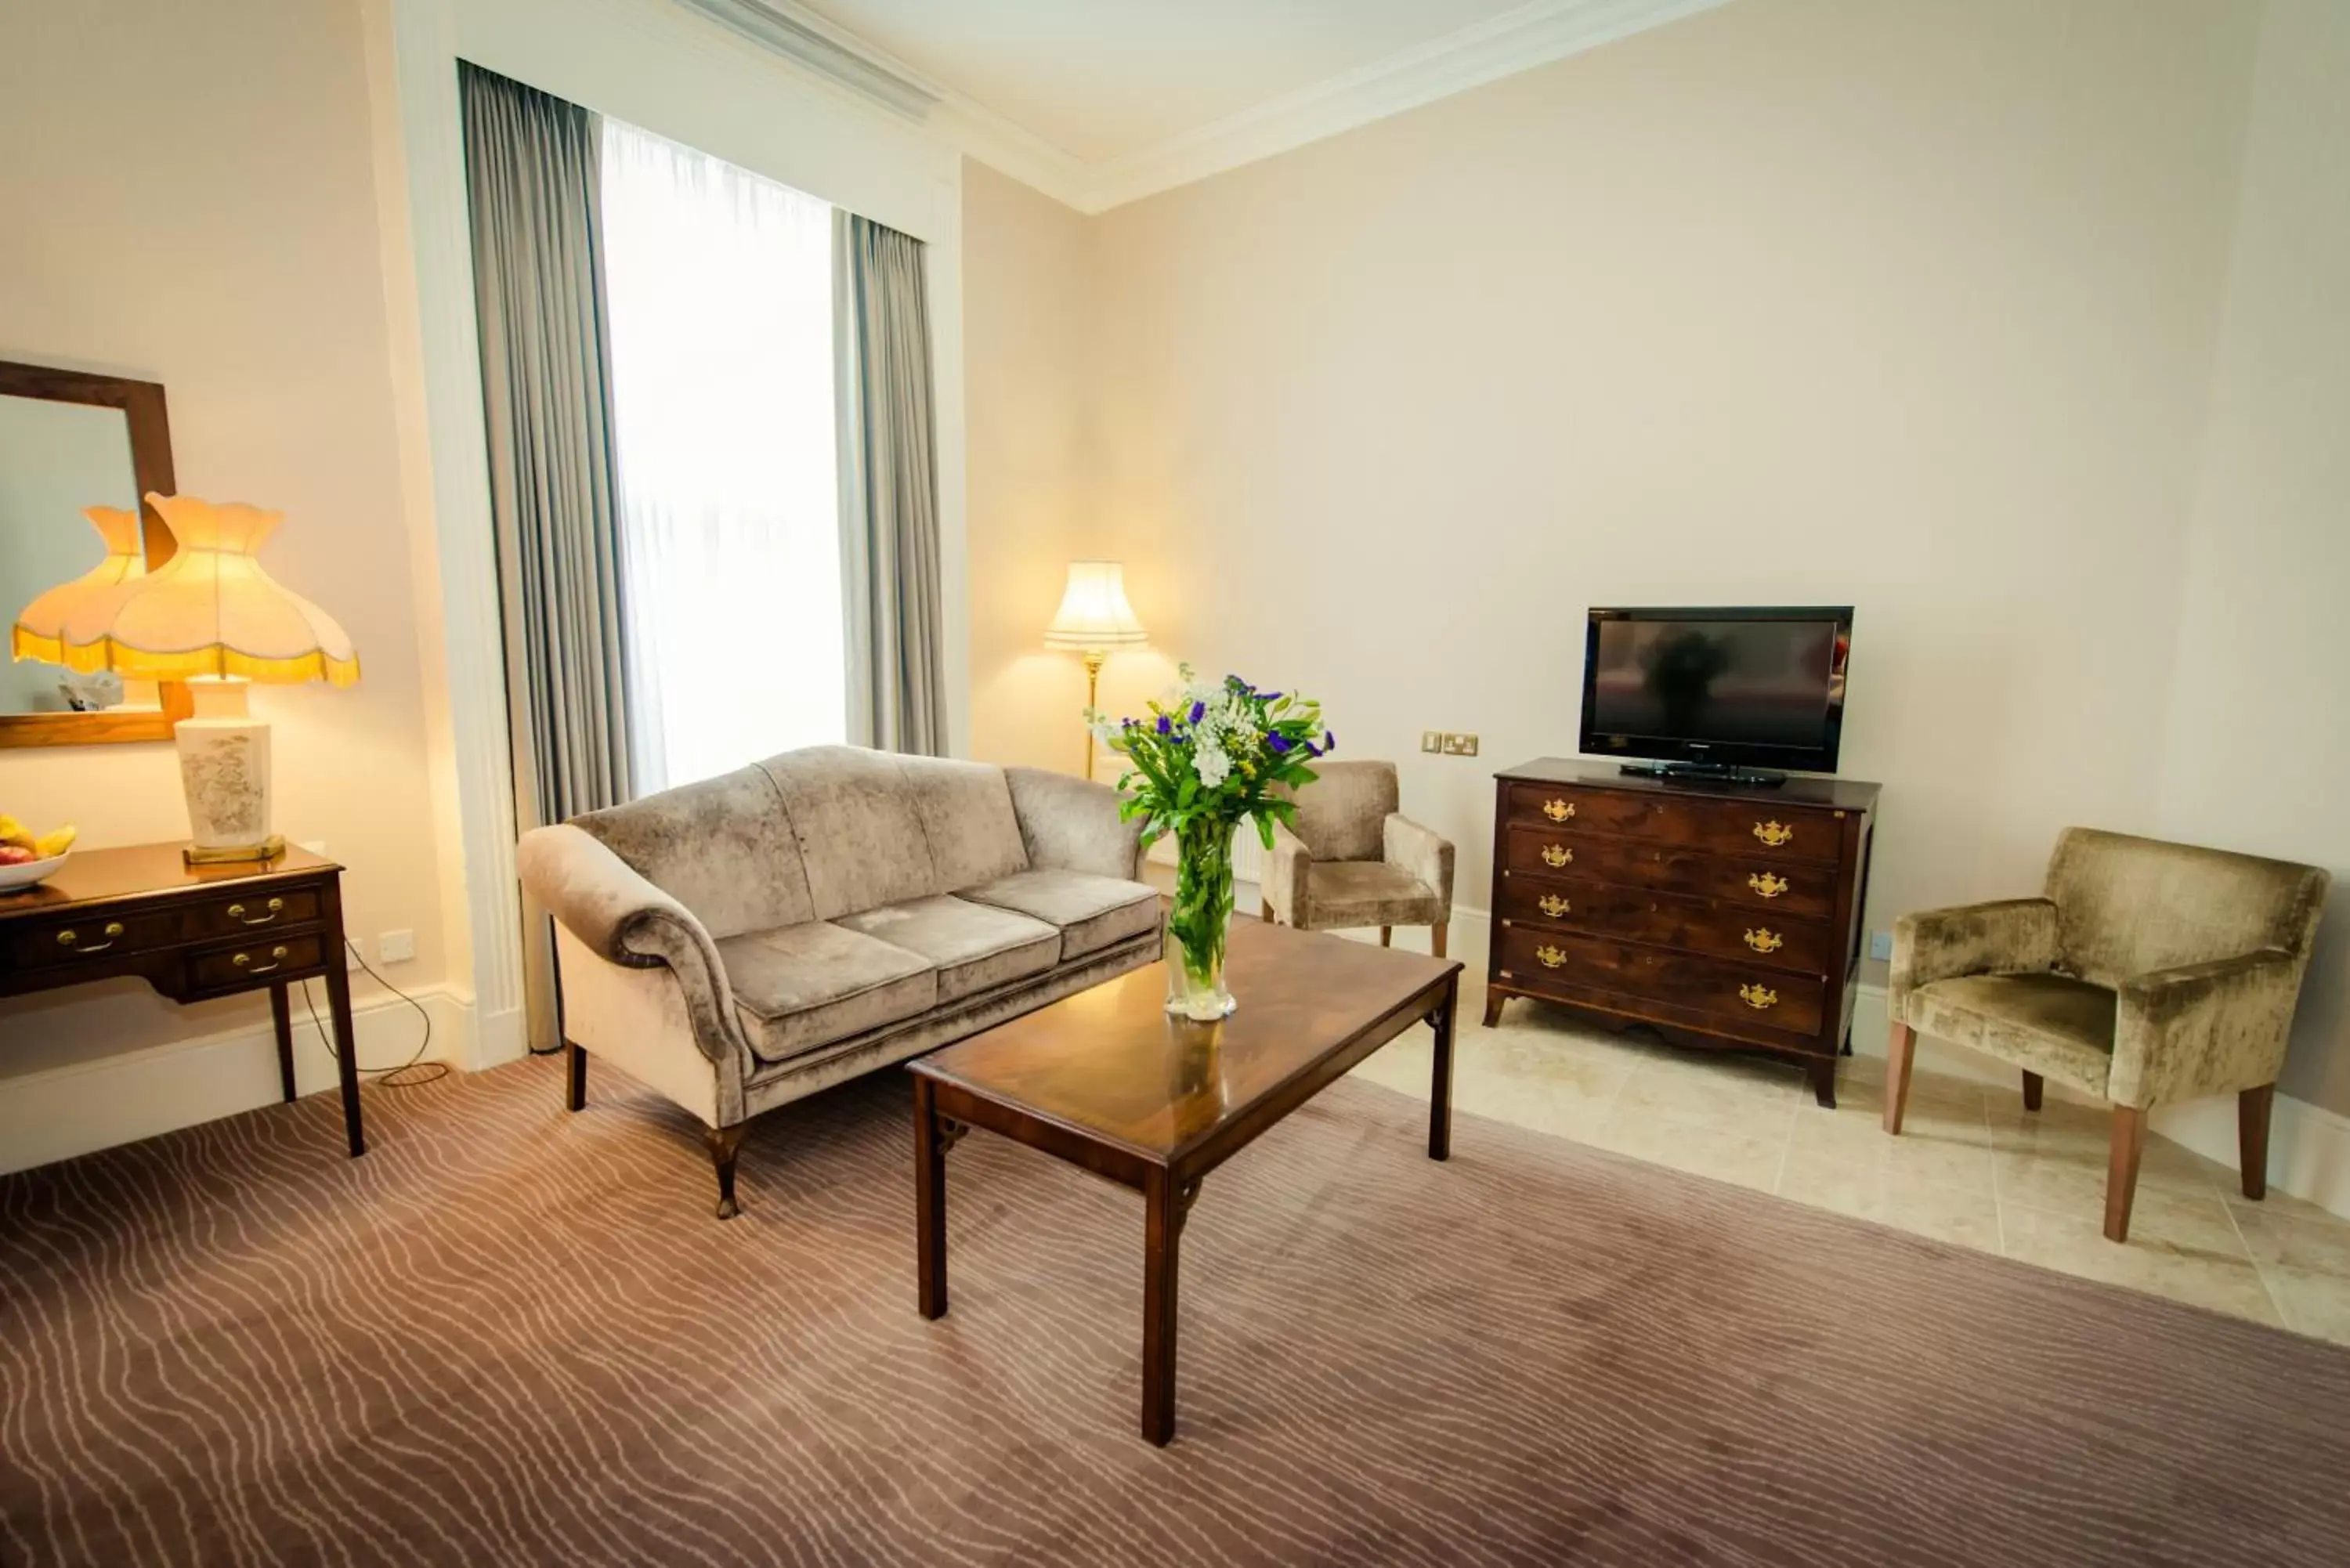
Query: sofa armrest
[[625, 920], [1286, 870], [2016, 936], [2203, 1028], [1421, 851], [1073, 824]]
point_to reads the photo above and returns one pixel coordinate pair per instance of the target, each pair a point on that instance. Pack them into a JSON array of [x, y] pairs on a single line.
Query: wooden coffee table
[[1107, 1081]]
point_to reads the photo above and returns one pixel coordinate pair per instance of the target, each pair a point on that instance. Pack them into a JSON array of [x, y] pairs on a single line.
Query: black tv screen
[[1734, 687]]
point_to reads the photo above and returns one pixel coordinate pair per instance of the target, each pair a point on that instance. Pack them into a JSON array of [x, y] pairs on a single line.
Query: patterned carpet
[[514, 1336]]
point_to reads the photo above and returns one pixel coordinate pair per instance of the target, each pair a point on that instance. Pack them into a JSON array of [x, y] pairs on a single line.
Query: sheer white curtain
[[719, 286]]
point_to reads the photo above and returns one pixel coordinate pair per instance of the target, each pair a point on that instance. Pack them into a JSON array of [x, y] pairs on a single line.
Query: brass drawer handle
[[1559, 810], [276, 907], [1558, 855], [1766, 941], [1774, 834], [1553, 906], [1549, 957], [1758, 997], [244, 962], [1769, 884], [70, 938]]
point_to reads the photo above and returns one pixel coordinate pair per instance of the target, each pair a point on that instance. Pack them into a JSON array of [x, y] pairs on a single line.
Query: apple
[[15, 855]]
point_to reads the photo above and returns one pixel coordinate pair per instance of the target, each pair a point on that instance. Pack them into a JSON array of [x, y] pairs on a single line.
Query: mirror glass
[[56, 459]]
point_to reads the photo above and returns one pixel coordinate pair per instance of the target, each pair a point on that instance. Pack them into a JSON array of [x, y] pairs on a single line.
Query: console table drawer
[[256, 912], [1668, 919], [1727, 827], [67, 940], [234, 968], [1736, 993], [1782, 887]]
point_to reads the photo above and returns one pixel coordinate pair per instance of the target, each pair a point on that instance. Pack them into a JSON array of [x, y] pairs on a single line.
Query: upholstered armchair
[[2145, 973], [1353, 859]]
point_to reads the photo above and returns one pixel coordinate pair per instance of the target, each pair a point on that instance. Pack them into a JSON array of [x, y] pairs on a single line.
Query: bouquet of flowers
[[1203, 762]]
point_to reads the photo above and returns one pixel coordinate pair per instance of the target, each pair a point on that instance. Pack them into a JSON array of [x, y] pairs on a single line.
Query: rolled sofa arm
[[1286, 870], [2016, 936], [2203, 1028], [623, 919], [1071, 825], [1423, 852]]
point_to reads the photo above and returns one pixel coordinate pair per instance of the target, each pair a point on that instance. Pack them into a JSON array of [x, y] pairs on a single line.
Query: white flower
[[1214, 764]]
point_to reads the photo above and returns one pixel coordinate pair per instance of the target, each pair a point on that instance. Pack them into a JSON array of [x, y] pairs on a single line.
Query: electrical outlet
[[396, 946], [1881, 944], [1431, 740], [1455, 745]]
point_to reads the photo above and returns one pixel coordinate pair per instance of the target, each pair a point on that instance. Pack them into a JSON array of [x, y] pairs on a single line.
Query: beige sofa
[[746, 941]]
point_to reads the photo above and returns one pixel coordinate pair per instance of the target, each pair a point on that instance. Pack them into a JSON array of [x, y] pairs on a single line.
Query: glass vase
[[1198, 922]]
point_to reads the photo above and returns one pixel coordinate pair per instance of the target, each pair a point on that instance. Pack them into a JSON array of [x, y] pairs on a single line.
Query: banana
[[14, 832], [55, 843]]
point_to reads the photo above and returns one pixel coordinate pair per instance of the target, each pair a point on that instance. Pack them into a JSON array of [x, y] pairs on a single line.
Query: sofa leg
[[1265, 910], [1897, 1052], [1387, 935], [2033, 1084], [2121, 1169], [723, 1144], [575, 1087], [1436, 939], [2253, 1107]]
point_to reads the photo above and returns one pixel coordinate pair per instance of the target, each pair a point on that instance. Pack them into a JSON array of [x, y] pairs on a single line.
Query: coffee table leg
[[1440, 1109], [1163, 1205], [929, 1202]]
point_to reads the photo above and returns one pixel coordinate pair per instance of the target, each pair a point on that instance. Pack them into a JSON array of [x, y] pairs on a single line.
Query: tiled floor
[[1971, 1167]]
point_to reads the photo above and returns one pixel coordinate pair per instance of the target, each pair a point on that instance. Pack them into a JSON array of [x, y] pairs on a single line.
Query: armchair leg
[[1897, 1052], [2121, 1169], [575, 1089], [2253, 1107], [1265, 910], [2033, 1084], [723, 1144], [1436, 939], [1387, 935]]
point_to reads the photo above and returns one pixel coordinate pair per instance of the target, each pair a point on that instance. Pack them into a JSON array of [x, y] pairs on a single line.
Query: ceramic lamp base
[[224, 770]]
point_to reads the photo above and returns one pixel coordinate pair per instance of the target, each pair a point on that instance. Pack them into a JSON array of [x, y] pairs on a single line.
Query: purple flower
[[1198, 708], [1268, 696], [1166, 725], [1329, 741], [1278, 741]]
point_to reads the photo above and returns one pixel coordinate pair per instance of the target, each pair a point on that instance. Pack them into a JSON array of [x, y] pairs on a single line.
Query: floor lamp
[[1094, 621]]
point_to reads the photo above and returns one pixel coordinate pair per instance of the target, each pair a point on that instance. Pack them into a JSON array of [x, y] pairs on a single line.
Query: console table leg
[[1163, 1207], [338, 1014], [281, 1018], [929, 1203], [1439, 1097]]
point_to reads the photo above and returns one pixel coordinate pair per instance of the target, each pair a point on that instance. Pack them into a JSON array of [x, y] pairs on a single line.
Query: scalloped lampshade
[[39, 632], [1094, 621]]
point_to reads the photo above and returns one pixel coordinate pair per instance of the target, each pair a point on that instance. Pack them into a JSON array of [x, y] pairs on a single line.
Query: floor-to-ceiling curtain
[[533, 170], [720, 283], [889, 514]]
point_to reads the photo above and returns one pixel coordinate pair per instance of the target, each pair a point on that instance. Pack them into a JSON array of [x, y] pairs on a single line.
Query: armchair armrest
[[1284, 874], [2203, 1028], [625, 920], [1426, 854], [1071, 825], [2016, 936]]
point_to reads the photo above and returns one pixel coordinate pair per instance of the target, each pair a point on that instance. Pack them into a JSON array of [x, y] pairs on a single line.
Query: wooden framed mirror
[[70, 440]]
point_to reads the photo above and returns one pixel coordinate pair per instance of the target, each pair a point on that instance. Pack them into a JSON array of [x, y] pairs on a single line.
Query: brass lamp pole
[[1094, 621]]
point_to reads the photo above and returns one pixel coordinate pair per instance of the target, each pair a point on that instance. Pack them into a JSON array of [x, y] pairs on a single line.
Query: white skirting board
[[61, 1112], [2309, 1146]]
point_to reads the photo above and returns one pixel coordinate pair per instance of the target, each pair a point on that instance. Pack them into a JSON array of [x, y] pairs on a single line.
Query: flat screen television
[[1717, 693]]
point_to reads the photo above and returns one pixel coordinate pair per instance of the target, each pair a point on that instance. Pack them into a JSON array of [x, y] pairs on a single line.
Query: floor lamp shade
[[1094, 619], [211, 617]]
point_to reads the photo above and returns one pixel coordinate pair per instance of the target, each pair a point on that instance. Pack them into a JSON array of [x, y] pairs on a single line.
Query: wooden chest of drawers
[[1721, 915]]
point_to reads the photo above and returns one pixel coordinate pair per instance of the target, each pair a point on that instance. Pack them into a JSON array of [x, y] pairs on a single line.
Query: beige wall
[[1910, 306], [188, 198], [2259, 742]]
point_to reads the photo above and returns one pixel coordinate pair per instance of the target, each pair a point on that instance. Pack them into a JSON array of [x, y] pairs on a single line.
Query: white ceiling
[[1102, 80]]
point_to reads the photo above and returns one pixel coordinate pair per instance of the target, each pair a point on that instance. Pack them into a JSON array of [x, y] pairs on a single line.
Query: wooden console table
[[192, 932]]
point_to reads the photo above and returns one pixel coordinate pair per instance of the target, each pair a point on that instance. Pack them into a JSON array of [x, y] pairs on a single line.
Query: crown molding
[[1532, 35], [801, 36]]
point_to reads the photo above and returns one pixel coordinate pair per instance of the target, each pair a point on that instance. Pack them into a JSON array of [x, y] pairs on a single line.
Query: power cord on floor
[[410, 1073]]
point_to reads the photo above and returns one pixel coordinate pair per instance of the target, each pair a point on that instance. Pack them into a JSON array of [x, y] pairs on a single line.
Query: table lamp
[[39, 632], [211, 617], [1094, 619]]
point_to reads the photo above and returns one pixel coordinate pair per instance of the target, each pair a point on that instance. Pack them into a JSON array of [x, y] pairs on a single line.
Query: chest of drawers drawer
[[1744, 995], [1667, 919], [1783, 888], [1772, 833]]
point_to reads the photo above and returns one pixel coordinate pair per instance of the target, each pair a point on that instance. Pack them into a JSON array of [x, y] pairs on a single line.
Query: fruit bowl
[[25, 873]]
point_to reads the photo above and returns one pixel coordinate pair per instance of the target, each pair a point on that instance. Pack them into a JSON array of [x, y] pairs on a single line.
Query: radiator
[[1248, 855]]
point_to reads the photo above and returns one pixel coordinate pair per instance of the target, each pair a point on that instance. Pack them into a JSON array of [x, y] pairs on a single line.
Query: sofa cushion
[[799, 987], [2051, 1024], [1343, 894], [861, 836], [974, 948], [967, 820], [723, 848], [1091, 911]]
